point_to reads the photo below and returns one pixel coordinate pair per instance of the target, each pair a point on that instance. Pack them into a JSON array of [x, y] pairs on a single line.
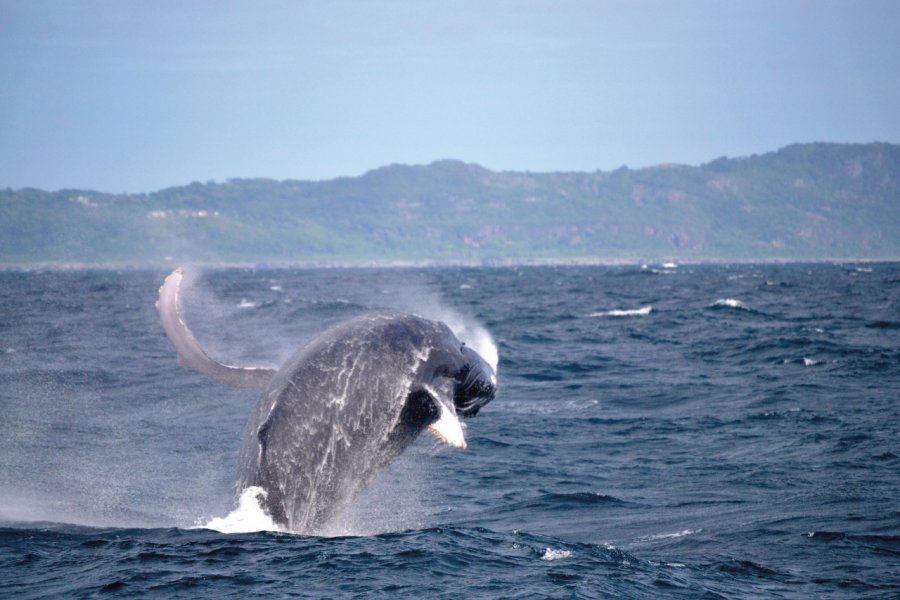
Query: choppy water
[[690, 432]]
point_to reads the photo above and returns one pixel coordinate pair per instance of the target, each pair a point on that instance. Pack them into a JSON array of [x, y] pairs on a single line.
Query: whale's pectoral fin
[[190, 352], [447, 425]]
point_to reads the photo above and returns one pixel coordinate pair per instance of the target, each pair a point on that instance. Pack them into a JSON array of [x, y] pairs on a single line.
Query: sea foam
[[553, 554], [671, 536], [633, 312], [731, 303], [248, 517]]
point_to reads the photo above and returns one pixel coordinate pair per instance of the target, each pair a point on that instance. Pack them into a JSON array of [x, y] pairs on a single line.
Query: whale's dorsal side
[[190, 353]]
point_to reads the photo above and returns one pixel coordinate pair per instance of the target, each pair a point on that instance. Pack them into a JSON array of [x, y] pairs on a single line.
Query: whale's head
[[451, 394], [476, 384]]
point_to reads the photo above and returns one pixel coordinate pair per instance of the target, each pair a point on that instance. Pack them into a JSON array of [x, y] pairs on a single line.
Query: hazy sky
[[139, 95]]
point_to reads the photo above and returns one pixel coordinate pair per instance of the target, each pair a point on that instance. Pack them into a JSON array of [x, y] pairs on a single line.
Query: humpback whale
[[343, 407]]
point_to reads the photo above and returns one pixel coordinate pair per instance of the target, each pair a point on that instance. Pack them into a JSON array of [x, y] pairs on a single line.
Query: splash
[[248, 517], [424, 301], [473, 334], [204, 310], [398, 499], [554, 554]]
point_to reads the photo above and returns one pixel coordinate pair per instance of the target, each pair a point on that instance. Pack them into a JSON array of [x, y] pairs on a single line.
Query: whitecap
[[731, 303], [633, 312], [553, 554], [671, 536], [246, 304], [248, 517], [669, 265], [465, 286], [808, 362]]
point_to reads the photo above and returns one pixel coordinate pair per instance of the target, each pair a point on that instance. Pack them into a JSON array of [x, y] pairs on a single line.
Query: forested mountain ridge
[[805, 201]]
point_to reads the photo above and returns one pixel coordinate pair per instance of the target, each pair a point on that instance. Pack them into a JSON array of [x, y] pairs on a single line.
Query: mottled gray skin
[[344, 406]]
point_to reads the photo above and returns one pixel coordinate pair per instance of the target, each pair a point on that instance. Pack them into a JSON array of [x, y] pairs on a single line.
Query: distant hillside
[[806, 201]]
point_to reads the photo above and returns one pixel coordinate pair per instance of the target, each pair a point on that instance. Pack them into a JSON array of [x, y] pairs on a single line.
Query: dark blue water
[[740, 438]]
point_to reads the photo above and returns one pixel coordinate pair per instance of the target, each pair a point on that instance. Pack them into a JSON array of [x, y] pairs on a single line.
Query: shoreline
[[429, 264]]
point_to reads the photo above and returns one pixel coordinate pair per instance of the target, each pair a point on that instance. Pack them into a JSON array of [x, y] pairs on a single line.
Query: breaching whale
[[343, 406]]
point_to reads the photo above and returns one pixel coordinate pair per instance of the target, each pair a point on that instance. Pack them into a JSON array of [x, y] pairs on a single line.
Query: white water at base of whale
[[374, 512], [248, 517]]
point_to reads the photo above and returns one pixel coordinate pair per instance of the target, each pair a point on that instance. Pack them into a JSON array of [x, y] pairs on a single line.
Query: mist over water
[[275, 341], [727, 431]]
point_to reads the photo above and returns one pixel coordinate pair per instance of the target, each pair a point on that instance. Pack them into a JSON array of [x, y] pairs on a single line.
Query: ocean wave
[[688, 417], [730, 303], [828, 536], [633, 312], [883, 325], [670, 536], [567, 501], [745, 567], [554, 554]]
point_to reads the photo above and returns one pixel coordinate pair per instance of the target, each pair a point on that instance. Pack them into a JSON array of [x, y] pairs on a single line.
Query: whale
[[343, 407]]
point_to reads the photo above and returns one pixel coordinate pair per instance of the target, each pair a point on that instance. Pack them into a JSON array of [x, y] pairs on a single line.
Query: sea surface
[[685, 432]]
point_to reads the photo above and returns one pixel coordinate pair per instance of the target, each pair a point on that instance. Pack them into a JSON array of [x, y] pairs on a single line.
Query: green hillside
[[806, 201]]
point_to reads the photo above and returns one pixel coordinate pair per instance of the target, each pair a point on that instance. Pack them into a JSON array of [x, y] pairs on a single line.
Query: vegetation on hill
[[806, 201]]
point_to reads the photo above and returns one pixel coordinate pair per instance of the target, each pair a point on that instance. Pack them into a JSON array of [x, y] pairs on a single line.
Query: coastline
[[432, 264]]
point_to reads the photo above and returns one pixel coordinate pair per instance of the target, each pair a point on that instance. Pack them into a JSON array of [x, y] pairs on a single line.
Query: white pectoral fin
[[448, 427], [190, 352]]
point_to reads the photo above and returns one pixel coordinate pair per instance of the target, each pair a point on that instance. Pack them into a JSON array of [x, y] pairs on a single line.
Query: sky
[[136, 96]]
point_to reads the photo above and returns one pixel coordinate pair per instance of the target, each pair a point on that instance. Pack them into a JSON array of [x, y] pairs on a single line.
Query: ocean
[[680, 431]]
